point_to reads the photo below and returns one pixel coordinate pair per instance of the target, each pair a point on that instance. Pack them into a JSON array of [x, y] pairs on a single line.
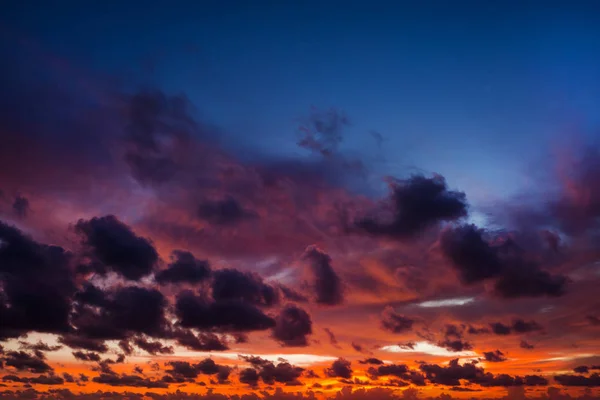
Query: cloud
[[494, 356], [129, 380], [231, 284], [340, 368], [37, 285], [578, 380], [38, 380], [332, 339], [184, 268], [415, 205], [204, 341], [526, 345], [517, 326], [322, 131], [86, 356], [292, 326], [117, 247], [374, 361], [151, 347], [327, 284], [515, 275], [396, 323], [225, 316], [224, 212], [21, 206], [22, 361]]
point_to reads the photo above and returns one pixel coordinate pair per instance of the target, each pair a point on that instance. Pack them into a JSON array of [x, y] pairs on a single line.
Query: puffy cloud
[[476, 260], [327, 284], [292, 326], [184, 268], [340, 368], [416, 204], [226, 316], [152, 347], [23, 361], [86, 356], [37, 285], [117, 247], [231, 284]]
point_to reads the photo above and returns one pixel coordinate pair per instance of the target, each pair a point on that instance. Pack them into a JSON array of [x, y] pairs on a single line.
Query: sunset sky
[[290, 200]]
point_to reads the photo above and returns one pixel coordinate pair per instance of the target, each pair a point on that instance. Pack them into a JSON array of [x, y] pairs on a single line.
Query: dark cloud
[[117, 247], [184, 268], [517, 326], [126, 347], [37, 284], [39, 348], [249, 376], [79, 342], [456, 344], [358, 347], [23, 361], [396, 323], [374, 361], [582, 369], [578, 380], [181, 371], [515, 275], [223, 212], [152, 347], [231, 284], [203, 341], [416, 204], [38, 380], [494, 356], [158, 131], [283, 372], [452, 374], [129, 380], [68, 377], [86, 356], [340, 369], [128, 310], [526, 345], [292, 326], [332, 339], [401, 371], [21, 206], [327, 284], [224, 316]]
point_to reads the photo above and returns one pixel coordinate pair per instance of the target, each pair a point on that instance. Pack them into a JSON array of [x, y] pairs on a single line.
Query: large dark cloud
[[327, 284], [401, 371], [195, 311], [37, 284], [184, 268], [415, 205], [396, 323], [292, 326], [231, 284], [515, 273], [117, 247], [126, 311]]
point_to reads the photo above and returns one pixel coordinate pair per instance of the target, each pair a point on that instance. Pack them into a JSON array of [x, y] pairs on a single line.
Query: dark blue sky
[[477, 91]]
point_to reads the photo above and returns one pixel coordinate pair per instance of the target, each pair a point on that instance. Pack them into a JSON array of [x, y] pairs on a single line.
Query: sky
[[288, 200]]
